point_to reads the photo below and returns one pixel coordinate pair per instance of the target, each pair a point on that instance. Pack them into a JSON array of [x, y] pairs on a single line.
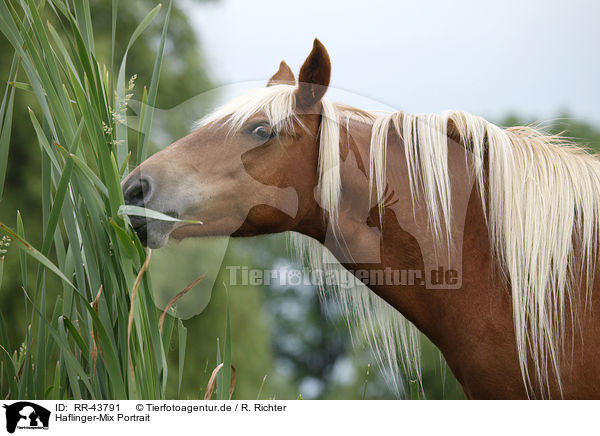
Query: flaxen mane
[[531, 186]]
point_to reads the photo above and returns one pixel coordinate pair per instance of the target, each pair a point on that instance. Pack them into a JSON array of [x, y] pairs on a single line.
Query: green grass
[[101, 338]]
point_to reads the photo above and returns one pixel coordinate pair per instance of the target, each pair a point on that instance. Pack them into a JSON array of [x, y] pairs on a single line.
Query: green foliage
[[582, 133], [225, 378], [85, 242]]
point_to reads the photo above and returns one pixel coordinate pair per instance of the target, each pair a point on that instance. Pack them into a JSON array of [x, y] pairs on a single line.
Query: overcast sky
[[533, 58]]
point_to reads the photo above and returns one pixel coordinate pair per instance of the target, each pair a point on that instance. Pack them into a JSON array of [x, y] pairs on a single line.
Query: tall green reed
[[101, 338]]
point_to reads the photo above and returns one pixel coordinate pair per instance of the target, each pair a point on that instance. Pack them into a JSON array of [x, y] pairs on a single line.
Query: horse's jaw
[[186, 231]]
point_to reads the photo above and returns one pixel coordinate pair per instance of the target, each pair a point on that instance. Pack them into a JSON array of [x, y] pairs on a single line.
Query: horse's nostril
[[137, 191]]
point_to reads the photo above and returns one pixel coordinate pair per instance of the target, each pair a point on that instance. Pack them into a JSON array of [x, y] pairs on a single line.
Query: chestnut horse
[[482, 238]]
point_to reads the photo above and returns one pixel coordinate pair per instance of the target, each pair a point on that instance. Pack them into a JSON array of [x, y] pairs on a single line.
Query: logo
[[26, 415]]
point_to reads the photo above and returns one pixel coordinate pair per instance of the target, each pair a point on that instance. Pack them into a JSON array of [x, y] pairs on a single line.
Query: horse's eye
[[262, 132]]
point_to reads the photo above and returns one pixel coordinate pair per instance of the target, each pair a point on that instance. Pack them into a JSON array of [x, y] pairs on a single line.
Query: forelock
[[276, 102]]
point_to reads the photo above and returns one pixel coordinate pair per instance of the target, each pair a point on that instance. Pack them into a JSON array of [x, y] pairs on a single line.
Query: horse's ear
[[284, 75], [314, 77]]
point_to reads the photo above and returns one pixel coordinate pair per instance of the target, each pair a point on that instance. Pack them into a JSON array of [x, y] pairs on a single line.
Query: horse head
[[250, 168]]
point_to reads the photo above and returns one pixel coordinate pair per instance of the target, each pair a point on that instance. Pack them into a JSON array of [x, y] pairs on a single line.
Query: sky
[[535, 59]]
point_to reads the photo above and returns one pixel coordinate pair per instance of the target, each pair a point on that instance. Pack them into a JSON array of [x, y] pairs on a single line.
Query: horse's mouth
[[152, 233]]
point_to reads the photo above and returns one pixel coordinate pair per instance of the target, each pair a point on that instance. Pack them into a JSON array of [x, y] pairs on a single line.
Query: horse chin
[[154, 234], [155, 241]]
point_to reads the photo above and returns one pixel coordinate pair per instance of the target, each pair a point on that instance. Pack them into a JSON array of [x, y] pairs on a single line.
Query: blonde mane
[[539, 194]]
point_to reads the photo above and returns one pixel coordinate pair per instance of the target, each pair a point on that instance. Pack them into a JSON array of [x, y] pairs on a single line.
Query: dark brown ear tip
[[319, 50], [318, 47], [314, 76]]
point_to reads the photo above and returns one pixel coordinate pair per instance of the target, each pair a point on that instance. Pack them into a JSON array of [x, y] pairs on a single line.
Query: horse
[[482, 238]]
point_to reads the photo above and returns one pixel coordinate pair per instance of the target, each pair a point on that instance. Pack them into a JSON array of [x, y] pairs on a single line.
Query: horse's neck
[[395, 251], [399, 244], [472, 322]]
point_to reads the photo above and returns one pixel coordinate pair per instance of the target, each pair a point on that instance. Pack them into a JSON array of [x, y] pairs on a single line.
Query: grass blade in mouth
[[149, 213]]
